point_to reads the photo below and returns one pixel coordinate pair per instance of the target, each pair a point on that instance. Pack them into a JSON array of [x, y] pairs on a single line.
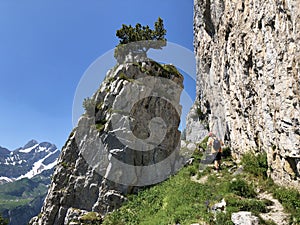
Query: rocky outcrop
[[244, 218], [127, 139], [248, 79]]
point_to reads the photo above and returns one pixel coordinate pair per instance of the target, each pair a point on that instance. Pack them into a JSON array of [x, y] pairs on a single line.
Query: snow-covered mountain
[[27, 161]]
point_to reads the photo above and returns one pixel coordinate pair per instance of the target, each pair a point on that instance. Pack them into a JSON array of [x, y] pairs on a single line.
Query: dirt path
[[276, 213]]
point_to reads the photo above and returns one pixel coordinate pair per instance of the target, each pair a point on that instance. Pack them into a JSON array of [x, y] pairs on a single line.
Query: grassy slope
[[21, 192], [181, 200]]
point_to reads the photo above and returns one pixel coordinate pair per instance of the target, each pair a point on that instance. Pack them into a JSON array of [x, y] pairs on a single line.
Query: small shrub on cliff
[[100, 125], [89, 106], [91, 218]]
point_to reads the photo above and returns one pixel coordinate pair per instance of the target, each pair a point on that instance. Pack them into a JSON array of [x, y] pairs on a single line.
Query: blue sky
[[46, 46]]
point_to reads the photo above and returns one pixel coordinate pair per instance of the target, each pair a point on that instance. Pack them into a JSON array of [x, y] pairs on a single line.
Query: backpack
[[216, 145]]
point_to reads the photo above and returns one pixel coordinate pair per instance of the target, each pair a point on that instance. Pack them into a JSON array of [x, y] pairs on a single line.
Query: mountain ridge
[[27, 161], [24, 179]]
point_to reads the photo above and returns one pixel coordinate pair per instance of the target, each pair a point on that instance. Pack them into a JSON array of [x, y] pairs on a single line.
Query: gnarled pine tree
[[139, 39]]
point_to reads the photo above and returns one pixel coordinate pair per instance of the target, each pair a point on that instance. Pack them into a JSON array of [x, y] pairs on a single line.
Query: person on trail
[[216, 149]]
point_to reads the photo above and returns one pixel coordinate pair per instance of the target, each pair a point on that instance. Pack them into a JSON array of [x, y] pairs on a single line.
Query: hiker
[[216, 149]]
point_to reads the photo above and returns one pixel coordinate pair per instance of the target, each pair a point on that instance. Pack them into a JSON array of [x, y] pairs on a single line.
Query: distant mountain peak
[[30, 144], [27, 161], [4, 151]]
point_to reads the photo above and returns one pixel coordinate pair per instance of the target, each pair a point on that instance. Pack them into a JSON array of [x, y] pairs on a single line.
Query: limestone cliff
[[248, 79], [128, 138]]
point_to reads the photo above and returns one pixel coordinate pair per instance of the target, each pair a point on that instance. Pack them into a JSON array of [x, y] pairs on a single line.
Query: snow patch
[[41, 149], [39, 167], [5, 180], [27, 150]]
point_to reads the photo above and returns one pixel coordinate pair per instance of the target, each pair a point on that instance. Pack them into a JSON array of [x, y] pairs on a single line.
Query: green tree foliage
[[89, 106], [139, 39], [3, 221]]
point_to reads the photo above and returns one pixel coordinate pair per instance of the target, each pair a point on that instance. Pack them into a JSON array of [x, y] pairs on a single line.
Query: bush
[[193, 170], [91, 218], [223, 219], [252, 205], [172, 70], [89, 106], [242, 188], [256, 164], [100, 125], [3, 221]]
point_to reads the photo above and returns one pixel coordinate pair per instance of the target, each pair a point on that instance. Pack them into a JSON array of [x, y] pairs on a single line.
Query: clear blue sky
[[46, 46]]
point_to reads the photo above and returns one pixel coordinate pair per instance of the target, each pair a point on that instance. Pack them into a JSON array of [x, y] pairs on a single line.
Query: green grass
[[13, 203], [21, 192], [241, 188], [181, 200], [290, 200], [158, 205], [256, 164]]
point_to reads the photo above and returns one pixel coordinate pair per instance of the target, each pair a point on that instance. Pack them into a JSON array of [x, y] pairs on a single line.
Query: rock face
[[127, 139], [244, 218], [248, 79]]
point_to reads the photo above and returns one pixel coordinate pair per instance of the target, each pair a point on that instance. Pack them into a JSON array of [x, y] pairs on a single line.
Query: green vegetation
[[182, 200], [241, 188], [290, 200], [143, 38], [203, 144], [202, 116], [91, 218], [100, 125], [89, 106], [153, 68], [171, 69], [64, 164], [21, 192], [256, 164], [123, 76], [3, 221]]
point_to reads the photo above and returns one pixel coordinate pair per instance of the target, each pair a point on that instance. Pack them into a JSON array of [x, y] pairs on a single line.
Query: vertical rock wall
[[248, 79]]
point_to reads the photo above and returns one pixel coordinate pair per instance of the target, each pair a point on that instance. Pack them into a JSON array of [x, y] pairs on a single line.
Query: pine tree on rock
[[136, 41]]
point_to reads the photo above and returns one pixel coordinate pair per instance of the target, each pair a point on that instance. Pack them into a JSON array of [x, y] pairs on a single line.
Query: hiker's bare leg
[[216, 165]]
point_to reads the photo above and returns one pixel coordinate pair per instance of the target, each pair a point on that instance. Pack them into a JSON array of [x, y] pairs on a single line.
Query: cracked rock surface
[[128, 138], [248, 80]]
